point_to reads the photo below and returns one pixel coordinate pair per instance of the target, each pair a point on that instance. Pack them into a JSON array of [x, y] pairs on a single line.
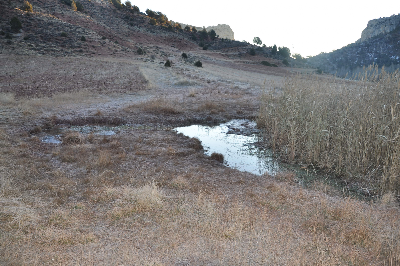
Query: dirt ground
[[148, 196]]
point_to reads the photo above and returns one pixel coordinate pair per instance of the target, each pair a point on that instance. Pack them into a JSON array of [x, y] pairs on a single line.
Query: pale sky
[[308, 27]]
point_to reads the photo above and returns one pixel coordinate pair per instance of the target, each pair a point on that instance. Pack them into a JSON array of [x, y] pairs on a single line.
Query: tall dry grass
[[350, 128]]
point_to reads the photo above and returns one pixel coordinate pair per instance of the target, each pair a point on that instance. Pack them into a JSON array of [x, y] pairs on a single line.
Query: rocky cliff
[[223, 31], [379, 44], [380, 26]]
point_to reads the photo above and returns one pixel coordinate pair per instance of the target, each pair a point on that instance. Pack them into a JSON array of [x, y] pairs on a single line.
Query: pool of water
[[237, 141]]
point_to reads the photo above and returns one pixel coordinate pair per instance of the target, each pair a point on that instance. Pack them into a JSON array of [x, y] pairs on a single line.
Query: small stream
[[237, 141]]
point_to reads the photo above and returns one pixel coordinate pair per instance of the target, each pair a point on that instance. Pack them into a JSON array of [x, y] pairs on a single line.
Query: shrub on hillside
[[168, 63], [212, 34], [203, 34], [274, 50], [184, 56], [266, 63], [79, 6], [205, 47], [218, 157], [198, 64], [140, 51], [64, 34], [135, 9], [73, 5], [178, 26], [252, 51], [27, 7], [153, 21], [150, 13], [188, 29], [285, 62], [66, 2], [83, 39], [116, 3], [284, 52], [128, 4], [194, 30], [15, 24]]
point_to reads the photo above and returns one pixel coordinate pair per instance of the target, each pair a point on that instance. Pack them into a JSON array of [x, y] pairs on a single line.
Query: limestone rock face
[[223, 31], [378, 26]]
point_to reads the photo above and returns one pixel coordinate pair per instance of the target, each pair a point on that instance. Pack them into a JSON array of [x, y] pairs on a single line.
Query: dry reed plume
[[350, 128]]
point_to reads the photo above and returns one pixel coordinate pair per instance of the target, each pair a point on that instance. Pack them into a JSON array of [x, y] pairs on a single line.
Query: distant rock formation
[[379, 26], [222, 30]]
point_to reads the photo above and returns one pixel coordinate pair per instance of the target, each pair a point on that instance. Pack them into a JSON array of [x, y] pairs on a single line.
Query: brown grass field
[[148, 196]]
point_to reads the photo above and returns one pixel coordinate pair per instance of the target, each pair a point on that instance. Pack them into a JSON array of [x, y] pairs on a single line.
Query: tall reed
[[349, 127]]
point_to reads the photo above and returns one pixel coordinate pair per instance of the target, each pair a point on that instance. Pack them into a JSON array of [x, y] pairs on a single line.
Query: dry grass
[[157, 106], [151, 197], [350, 128], [7, 99]]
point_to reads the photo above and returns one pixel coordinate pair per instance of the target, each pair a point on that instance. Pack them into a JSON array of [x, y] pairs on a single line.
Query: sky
[[307, 27]]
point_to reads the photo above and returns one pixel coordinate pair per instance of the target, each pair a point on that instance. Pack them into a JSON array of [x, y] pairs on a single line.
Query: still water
[[237, 141]]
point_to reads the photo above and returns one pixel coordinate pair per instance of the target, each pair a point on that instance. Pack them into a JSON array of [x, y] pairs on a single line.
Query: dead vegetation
[[148, 196]]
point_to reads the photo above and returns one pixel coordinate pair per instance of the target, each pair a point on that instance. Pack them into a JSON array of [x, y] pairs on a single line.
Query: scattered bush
[[201, 44], [150, 13], [128, 4], [205, 47], [153, 21], [168, 63], [285, 62], [266, 63], [198, 64], [15, 24], [2, 33], [135, 9], [79, 6], [104, 37], [27, 7], [178, 26], [194, 30], [318, 71], [257, 40], [67, 2], [64, 34], [117, 3], [274, 50], [218, 157], [73, 5], [140, 51], [8, 36], [203, 34], [212, 34], [284, 52], [188, 29], [83, 39], [252, 51], [184, 56]]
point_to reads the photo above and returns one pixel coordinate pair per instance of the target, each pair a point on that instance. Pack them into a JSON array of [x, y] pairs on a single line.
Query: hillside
[[379, 44]]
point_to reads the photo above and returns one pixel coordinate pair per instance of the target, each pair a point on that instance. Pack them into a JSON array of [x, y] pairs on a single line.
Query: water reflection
[[236, 141]]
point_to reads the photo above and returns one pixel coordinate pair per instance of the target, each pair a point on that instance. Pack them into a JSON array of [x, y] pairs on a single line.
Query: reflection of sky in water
[[238, 150]]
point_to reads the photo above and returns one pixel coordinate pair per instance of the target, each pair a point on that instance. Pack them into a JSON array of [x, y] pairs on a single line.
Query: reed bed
[[349, 127]]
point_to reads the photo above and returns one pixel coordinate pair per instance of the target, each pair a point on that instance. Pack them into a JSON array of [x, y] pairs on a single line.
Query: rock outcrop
[[379, 45], [380, 26], [223, 31]]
